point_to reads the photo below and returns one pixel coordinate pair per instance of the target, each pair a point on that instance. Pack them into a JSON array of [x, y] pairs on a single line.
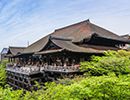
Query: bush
[[3, 73], [112, 61], [9, 94], [91, 88]]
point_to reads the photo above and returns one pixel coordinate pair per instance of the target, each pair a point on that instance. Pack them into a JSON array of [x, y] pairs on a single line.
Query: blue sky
[[29, 20]]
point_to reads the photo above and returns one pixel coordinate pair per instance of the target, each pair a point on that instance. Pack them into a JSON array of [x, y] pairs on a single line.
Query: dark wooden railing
[[28, 69]]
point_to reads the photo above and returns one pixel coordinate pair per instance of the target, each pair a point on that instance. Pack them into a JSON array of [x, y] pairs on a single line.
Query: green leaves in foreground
[[2, 73], [117, 62], [90, 88]]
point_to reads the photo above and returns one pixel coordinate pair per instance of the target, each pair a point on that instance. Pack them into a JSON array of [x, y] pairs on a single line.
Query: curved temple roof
[[77, 32], [12, 51], [68, 45]]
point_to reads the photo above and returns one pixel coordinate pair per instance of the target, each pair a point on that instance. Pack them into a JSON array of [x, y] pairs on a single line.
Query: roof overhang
[[96, 36]]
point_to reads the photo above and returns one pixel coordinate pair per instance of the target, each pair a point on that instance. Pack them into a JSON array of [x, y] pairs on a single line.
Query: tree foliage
[[3, 73], [112, 61]]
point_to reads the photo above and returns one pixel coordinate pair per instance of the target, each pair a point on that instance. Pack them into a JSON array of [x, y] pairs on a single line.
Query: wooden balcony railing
[[28, 69]]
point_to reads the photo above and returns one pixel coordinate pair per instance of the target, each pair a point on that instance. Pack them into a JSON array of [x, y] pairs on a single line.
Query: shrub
[[112, 61], [91, 88], [3, 73]]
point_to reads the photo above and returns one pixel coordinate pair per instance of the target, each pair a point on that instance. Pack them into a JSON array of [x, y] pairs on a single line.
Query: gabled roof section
[[127, 36], [95, 37], [50, 45], [77, 32], [66, 44], [70, 46], [4, 51], [85, 29], [15, 50], [105, 33], [37, 46]]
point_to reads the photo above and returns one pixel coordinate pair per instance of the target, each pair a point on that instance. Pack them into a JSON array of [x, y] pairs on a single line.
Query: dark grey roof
[[127, 36], [4, 51], [37, 46], [12, 51], [67, 45], [49, 51], [77, 32]]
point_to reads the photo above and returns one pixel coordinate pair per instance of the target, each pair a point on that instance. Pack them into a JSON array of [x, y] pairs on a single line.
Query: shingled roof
[[77, 32], [67, 45], [12, 51]]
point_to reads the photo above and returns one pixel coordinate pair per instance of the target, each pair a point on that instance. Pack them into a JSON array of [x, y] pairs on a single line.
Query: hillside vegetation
[[105, 78]]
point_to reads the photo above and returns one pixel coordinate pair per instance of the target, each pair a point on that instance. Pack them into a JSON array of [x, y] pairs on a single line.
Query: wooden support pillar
[[8, 59], [14, 60], [11, 59]]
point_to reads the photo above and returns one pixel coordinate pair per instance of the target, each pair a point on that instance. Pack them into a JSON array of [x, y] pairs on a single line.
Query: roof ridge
[[84, 21], [60, 38], [16, 47], [103, 29], [41, 39]]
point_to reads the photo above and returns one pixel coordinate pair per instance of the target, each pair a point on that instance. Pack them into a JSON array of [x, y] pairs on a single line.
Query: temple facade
[[59, 53], [3, 54]]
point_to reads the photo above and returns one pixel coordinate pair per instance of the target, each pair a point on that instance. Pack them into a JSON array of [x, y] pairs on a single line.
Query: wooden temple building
[[12, 52], [3, 54], [59, 53]]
